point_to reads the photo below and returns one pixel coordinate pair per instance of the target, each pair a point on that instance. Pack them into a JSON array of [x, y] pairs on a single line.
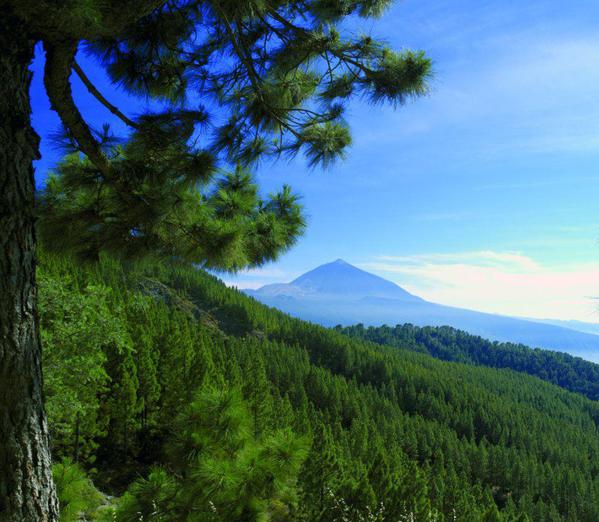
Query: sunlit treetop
[[238, 81]]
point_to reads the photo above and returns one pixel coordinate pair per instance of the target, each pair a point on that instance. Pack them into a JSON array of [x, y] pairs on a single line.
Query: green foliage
[[446, 343], [221, 472], [79, 328], [399, 76], [160, 212], [78, 497], [221, 391], [236, 83]]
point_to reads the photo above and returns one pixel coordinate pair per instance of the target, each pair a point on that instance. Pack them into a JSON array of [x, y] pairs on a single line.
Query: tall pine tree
[[277, 73]]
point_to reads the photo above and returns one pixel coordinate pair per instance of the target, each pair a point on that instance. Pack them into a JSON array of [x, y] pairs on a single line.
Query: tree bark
[[26, 489]]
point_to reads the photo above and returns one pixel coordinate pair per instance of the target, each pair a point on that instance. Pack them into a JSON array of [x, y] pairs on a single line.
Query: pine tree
[[281, 91], [257, 393], [77, 327], [492, 514], [123, 401], [146, 358], [223, 472], [76, 493], [321, 474]]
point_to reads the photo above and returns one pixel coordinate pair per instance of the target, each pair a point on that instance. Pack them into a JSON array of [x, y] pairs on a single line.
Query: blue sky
[[484, 194]]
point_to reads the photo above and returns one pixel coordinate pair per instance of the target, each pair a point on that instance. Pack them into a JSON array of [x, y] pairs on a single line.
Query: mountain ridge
[[340, 293], [338, 278]]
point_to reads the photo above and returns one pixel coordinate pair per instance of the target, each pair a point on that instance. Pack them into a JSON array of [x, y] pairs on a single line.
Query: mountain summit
[[341, 278], [339, 293]]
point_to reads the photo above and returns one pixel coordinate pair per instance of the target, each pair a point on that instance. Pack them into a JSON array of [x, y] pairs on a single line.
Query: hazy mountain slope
[[579, 326], [338, 293]]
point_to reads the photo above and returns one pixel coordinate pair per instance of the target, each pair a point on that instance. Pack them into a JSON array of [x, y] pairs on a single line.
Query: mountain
[[339, 293], [193, 397], [338, 279]]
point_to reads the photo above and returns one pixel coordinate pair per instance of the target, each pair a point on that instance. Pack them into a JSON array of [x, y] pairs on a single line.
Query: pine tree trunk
[[26, 488]]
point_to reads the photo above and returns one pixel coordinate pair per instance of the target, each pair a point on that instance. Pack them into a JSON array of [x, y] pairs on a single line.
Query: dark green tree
[[257, 393], [492, 515], [276, 73], [321, 475], [222, 472], [123, 399]]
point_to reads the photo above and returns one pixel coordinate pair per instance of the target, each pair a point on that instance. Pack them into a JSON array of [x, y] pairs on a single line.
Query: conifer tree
[[276, 73], [146, 360], [123, 398], [77, 329], [257, 393], [222, 472], [321, 474], [492, 515]]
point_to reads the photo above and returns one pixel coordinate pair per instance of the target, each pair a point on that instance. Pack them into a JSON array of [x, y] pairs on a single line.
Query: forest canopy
[[203, 381]]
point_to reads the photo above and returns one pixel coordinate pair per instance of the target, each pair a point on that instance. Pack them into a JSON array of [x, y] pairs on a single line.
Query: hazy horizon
[[246, 281]]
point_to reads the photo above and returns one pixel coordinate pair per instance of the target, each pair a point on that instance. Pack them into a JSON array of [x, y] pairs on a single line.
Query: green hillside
[[449, 344], [191, 401]]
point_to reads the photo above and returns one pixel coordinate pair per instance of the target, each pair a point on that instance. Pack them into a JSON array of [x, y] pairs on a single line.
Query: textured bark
[[26, 489], [60, 58]]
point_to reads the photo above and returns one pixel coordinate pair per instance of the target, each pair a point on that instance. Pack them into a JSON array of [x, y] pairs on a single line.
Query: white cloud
[[507, 283], [256, 277], [523, 93], [242, 284]]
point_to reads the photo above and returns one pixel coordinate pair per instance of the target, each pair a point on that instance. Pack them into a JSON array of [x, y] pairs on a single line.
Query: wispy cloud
[[532, 92], [509, 283]]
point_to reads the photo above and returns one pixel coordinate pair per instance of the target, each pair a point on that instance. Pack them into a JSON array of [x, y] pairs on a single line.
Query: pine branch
[[241, 54], [301, 32], [98, 95], [106, 19], [59, 62]]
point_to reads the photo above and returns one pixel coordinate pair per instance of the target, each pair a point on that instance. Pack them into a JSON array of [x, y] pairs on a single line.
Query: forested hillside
[[191, 401], [449, 344]]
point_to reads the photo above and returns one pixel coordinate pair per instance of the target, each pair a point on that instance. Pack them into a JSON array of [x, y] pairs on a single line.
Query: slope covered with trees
[[191, 401], [449, 344]]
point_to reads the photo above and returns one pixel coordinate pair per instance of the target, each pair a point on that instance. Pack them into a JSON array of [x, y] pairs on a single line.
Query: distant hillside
[[580, 326], [449, 344], [339, 293], [163, 376]]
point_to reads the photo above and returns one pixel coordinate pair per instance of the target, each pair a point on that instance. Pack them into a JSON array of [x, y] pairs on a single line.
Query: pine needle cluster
[[233, 83]]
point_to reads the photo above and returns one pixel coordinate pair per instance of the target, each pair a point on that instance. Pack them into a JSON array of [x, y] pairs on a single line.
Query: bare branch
[[98, 95]]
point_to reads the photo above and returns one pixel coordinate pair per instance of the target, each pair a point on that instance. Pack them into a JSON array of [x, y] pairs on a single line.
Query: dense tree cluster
[[449, 344], [208, 402]]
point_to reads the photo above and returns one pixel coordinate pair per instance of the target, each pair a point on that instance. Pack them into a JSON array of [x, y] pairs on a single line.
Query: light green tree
[[77, 329]]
